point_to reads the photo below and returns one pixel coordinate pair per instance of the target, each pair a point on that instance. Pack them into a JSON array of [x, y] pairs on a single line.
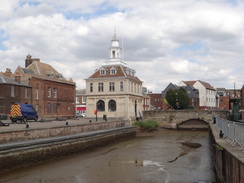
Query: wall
[[228, 160], [29, 134], [172, 118], [31, 156], [65, 99]]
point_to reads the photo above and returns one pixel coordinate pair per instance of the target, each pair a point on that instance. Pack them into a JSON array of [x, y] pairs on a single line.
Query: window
[[100, 87], [48, 108], [55, 108], [113, 71], [37, 93], [49, 92], [83, 100], [91, 87], [12, 91], [37, 108], [111, 86], [55, 92], [77, 100], [112, 105], [26, 92], [102, 71], [100, 105], [121, 86]]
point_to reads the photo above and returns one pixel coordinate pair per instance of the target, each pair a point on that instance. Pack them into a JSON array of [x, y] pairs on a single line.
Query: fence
[[231, 130]]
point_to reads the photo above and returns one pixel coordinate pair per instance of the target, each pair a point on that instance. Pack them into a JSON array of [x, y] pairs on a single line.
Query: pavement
[[47, 123]]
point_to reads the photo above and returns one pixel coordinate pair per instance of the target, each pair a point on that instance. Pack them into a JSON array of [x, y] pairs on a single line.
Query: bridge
[[185, 119]]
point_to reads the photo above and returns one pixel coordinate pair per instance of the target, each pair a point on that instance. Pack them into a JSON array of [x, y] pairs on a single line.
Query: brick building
[[12, 90], [52, 95], [156, 101], [225, 96]]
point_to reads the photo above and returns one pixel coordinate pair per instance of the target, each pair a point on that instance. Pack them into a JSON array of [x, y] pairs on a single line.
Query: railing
[[231, 130]]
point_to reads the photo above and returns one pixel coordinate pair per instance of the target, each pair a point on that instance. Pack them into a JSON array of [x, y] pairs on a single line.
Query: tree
[[177, 99]]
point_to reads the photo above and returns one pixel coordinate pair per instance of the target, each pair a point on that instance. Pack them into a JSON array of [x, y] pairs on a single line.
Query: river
[[165, 156]]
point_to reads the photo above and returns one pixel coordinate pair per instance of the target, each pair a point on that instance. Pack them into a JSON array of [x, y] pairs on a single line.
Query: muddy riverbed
[[164, 156]]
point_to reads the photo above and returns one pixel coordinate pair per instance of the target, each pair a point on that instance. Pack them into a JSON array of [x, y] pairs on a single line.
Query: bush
[[147, 125]]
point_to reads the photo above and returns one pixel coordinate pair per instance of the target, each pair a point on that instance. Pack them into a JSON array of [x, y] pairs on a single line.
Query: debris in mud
[[192, 144], [187, 147]]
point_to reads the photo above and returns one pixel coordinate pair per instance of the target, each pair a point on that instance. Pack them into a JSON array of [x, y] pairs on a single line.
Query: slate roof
[[8, 80], [27, 71]]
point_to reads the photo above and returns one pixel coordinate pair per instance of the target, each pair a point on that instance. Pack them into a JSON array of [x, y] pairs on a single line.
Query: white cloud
[[75, 36]]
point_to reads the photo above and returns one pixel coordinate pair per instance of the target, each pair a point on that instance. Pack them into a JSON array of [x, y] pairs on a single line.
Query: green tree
[[177, 99]]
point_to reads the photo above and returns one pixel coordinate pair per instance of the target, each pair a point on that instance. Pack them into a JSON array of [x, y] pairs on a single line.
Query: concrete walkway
[[48, 123]]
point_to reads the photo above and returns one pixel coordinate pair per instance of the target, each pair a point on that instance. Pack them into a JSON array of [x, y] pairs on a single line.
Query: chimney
[[70, 80], [17, 78], [28, 60], [8, 72]]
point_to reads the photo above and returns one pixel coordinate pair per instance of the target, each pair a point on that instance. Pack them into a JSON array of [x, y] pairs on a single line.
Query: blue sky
[[164, 41]]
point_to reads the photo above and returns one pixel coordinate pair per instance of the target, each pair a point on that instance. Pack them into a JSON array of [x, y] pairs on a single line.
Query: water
[[166, 156]]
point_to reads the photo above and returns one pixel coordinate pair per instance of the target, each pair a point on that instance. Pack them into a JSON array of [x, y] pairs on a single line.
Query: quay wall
[[30, 134], [21, 158], [228, 159]]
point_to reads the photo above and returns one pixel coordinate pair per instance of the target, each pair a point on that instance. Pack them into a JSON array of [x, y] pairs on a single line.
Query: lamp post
[[176, 103]]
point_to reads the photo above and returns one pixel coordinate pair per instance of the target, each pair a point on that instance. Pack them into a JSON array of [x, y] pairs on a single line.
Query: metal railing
[[231, 130]]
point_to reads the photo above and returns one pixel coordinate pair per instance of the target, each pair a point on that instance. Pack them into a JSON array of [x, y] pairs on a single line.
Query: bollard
[[90, 121], [27, 126], [67, 123], [221, 135]]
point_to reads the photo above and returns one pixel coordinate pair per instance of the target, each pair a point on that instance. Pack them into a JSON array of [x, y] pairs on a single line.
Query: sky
[[164, 41]]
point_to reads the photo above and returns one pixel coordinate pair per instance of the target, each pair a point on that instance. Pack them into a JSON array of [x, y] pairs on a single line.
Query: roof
[[205, 84], [8, 80], [121, 71], [44, 70], [27, 71]]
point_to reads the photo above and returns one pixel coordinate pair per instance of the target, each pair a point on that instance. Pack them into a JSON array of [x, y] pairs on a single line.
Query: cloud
[[164, 41]]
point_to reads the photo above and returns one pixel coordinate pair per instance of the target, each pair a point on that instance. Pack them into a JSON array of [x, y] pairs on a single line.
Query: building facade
[[80, 103], [52, 95], [12, 91], [114, 90], [156, 101], [192, 92], [208, 96]]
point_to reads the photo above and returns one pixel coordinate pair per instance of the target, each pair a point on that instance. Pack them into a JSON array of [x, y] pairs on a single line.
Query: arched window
[[113, 71], [100, 105], [112, 105]]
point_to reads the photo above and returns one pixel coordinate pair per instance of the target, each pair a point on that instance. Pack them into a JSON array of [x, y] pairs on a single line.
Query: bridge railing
[[231, 130]]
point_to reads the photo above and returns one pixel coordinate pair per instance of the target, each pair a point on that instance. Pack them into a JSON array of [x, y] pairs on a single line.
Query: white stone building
[[208, 96], [114, 90]]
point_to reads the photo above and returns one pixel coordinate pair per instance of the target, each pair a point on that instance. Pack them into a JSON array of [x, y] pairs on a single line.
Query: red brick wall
[[6, 100], [65, 100]]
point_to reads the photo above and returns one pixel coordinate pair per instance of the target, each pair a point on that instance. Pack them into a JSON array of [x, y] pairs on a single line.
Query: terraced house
[[114, 90]]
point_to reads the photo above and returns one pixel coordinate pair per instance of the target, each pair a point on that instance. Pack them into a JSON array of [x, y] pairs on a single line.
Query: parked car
[[23, 112], [80, 115]]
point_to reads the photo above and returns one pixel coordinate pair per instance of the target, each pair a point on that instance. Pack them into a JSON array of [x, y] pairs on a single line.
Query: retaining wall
[[21, 158], [228, 160], [30, 134]]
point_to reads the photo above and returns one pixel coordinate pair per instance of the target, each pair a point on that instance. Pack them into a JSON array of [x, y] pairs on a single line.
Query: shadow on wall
[[193, 124]]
